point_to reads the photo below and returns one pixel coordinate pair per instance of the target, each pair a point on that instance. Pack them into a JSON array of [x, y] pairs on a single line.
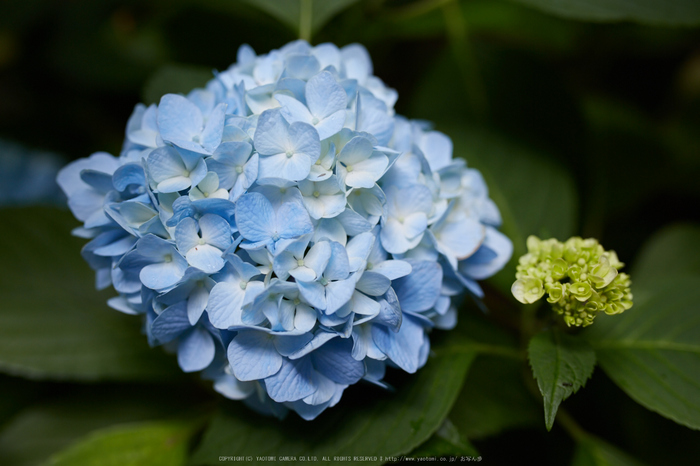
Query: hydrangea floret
[[283, 231], [580, 279]]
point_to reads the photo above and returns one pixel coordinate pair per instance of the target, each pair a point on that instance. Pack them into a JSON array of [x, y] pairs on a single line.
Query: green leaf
[[296, 12], [53, 323], [145, 444], [671, 252], [561, 364], [666, 12], [652, 351], [71, 412], [494, 399], [535, 196], [174, 79], [367, 422], [445, 442], [591, 451]]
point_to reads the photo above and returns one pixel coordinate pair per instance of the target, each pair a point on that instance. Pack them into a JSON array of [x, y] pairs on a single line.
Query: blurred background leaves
[[583, 116]]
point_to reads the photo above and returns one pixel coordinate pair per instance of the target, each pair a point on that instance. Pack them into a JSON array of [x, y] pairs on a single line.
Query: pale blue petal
[[293, 86], [97, 180], [338, 267], [314, 293], [292, 110], [330, 229], [437, 149], [224, 306], [334, 360], [366, 172], [460, 239], [305, 318], [414, 224], [372, 117], [174, 184], [420, 290], [447, 321], [206, 258], [214, 130], [356, 61], [402, 347], [353, 223], [393, 269], [229, 157], [363, 305], [294, 168], [196, 303], [232, 388], [356, 150], [305, 140], [290, 344], [196, 350], [293, 221], [248, 177], [373, 284], [325, 389], [178, 118], [293, 382], [303, 274], [318, 257], [338, 294], [327, 55], [325, 96], [198, 173], [272, 133], [331, 124], [358, 250], [216, 231], [186, 235], [163, 275], [393, 237], [253, 356], [165, 163], [320, 339], [170, 323], [361, 336], [390, 314], [283, 263], [255, 218], [317, 207], [496, 242]]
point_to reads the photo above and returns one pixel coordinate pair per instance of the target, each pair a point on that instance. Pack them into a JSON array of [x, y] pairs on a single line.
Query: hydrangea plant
[[284, 231]]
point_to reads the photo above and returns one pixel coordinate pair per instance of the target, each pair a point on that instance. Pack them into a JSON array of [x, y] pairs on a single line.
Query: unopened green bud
[[555, 291], [580, 279], [559, 269], [581, 291], [528, 290], [603, 273]]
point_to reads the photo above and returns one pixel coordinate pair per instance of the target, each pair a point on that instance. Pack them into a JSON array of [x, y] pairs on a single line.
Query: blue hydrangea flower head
[[284, 231]]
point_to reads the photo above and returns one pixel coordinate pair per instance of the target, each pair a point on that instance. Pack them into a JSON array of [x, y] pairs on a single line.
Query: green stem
[[528, 323], [305, 16], [457, 34]]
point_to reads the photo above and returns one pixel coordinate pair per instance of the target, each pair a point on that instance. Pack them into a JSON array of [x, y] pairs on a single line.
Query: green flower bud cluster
[[580, 278]]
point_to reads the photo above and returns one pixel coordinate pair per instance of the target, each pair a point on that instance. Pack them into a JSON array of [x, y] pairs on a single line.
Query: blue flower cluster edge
[[284, 231]]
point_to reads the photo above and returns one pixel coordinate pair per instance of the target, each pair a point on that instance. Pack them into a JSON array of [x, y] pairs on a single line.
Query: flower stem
[[457, 34], [305, 16]]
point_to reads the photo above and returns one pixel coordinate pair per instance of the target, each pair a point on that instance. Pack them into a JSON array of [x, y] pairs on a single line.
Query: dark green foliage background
[[584, 117]]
